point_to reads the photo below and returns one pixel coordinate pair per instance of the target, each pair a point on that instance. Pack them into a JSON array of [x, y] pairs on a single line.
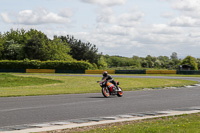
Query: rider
[[109, 78]]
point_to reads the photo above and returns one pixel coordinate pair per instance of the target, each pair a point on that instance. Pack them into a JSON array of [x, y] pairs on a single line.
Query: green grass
[[45, 84], [173, 124], [130, 84], [8, 80]]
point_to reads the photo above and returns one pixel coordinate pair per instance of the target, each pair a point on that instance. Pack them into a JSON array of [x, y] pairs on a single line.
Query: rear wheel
[[120, 93], [105, 92]]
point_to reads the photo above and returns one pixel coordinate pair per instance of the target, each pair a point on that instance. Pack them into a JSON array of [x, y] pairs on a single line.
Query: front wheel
[[120, 92], [105, 92]]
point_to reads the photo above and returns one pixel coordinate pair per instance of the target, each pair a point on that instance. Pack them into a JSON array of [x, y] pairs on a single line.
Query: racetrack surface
[[40, 109]]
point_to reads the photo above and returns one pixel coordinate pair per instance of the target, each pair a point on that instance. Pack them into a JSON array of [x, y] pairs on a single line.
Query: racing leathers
[[109, 78]]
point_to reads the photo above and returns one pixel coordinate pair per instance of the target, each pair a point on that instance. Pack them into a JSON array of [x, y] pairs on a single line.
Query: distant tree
[[136, 57], [144, 64], [118, 61], [137, 61], [189, 60], [113, 61], [19, 36], [174, 56], [157, 64], [58, 50], [102, 63], [13, 43], [36, 45], [150, 61], [13, 51], [164, 60], [81, 50], [1, 46], [174, 61]]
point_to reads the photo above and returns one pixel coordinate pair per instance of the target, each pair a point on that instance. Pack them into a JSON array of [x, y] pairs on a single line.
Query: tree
[[33, 44], [137, 61], [158, 64], [13, 51], [1, 46], [174, 56], [19, 36], [36, 45], [189, 60], [150, 61], [81, 50], [198, 62], [13, 43], [174, 60], [58, 50], [102, 64], [164, 61], [144, 63]]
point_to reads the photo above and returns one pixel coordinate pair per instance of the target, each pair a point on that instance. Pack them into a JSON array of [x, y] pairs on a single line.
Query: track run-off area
[[20, 112]]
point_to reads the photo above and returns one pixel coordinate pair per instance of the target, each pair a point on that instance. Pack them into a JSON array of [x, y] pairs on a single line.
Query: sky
[[118, 27]]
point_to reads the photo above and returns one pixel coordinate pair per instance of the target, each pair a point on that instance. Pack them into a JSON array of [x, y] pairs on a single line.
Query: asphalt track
[[41, 109]]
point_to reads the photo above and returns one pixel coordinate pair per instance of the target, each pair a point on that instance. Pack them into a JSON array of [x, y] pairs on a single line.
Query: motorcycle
[[108, 88]]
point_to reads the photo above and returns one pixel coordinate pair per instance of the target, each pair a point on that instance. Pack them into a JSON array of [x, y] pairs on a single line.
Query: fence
[[101, 71]]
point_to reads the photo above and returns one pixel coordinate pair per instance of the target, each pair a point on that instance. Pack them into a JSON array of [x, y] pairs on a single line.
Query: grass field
[[7, 80], [173, 124], [30, 85]]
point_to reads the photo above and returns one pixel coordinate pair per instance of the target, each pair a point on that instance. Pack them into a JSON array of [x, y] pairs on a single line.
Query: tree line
[[150, 62], [35, 45]]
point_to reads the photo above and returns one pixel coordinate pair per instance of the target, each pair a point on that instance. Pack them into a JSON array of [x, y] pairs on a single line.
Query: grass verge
[[51, 85], [173, 124], [8, 80]]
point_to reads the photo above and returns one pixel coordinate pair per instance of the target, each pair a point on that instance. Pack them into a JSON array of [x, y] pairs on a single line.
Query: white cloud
[[6, 18], [105, 2], [40, 16], [184, 21], [165, 29], [128, 19], [37, 17], [106, 15], [186, 5], [189, 13], [112, 30]]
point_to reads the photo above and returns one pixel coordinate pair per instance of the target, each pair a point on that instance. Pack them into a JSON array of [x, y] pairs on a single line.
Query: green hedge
[[34, 64]]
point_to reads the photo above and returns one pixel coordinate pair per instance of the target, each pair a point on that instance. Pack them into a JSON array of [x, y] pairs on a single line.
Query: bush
[[189, 60], [35, 64]]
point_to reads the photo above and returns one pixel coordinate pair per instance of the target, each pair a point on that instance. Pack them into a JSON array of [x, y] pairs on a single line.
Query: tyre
[[105, 92], [120, 93]]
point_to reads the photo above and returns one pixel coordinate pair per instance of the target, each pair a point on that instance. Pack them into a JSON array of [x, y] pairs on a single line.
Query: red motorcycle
[[108, 88]]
